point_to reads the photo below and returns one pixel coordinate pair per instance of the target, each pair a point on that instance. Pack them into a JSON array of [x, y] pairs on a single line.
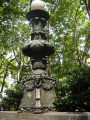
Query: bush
[[13, 98], [73, 92]]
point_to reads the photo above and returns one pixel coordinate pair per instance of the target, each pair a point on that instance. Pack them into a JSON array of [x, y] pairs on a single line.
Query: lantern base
[[29, 101]]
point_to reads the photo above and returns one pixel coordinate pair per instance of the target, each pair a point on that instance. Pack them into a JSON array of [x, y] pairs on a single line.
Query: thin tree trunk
[[87, 7], [64, 53], [19, 67], [5, 75], [48, 58], [30, 4], [18, 74], [85, 48], [76, 39], [21, 72], [18, 60]]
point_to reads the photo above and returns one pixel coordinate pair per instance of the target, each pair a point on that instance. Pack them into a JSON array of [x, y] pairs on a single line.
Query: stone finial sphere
[[37, 4]]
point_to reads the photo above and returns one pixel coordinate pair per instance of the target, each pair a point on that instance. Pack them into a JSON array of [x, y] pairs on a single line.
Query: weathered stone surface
[[39, 82], [28, 99], [38, 48], [46, 116], [47, 98], [39, 63]]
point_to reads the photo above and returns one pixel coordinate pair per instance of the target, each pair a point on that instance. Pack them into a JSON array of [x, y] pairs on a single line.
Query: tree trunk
[[30, 4], [5, 75], [86, 46], [76, 40], [87, 7], [48, 59]]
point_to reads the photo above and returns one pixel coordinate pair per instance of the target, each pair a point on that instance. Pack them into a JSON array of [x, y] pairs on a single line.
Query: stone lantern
[[39, 88]]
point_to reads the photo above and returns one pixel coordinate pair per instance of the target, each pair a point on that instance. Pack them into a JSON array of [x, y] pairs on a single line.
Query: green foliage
[[70, 36], [13, 98], [73, 92], [14, 32]]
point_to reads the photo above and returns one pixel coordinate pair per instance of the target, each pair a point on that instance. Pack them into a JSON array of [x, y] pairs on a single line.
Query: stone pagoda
[[39, 89]]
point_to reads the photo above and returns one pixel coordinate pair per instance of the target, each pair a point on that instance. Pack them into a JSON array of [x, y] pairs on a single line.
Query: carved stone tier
[[37, 13], [38, 48], [39, 63], [38, 36]]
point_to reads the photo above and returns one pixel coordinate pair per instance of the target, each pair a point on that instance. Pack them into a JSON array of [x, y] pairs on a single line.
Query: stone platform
[[9, 115]]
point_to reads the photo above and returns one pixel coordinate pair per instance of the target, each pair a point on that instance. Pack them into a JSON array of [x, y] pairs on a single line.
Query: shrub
[[73, 92], [13, 98]]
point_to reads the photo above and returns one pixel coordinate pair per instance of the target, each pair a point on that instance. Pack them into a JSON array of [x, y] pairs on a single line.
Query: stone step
[[12, 119], [46, 116]]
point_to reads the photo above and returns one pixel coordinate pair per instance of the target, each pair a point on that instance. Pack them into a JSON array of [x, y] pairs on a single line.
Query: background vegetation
[[69, 31]]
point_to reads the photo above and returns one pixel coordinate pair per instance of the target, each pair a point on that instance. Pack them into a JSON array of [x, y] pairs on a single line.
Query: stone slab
[[9, 115]]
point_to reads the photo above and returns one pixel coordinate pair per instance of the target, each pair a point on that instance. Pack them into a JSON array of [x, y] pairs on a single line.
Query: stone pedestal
[[45, 116], [36, 100]]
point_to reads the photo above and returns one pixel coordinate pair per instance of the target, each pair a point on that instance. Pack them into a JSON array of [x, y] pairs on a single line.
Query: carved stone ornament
[[31, 109], [46, 83]]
